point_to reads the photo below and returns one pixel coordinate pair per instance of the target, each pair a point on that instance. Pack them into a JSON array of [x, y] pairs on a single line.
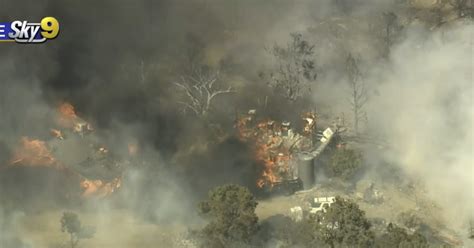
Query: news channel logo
[[25, 32]]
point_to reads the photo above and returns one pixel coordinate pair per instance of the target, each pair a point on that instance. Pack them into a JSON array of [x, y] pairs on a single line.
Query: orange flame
[[67, 115], [263, 156], [266, 140], [33, 152], [99, 188], [275, 163], [244, 133]]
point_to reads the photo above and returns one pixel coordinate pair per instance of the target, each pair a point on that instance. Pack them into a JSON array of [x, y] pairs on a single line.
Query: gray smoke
[[425, 108], [116, 62]]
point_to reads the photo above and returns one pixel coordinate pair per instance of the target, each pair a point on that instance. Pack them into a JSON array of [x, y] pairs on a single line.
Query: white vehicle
[[321, 203]]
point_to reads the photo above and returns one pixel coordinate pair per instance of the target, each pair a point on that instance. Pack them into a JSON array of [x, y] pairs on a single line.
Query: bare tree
[[200, 88], [295, 68], [358, 91], [387, 30]]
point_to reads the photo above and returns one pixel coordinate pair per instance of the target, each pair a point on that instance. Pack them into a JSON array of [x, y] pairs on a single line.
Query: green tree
[[71, 224], [231, 211], [410, 220], [343, 225], [344, 163], [396, 237], [289, 233]]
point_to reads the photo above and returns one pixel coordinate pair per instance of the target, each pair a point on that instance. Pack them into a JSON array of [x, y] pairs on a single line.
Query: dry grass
[[115, 229]]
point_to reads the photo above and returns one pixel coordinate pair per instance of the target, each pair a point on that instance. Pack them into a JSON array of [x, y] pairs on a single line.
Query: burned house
[[287, 158]]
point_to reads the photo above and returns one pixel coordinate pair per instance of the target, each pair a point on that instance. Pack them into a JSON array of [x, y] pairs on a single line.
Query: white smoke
[[425, 108]]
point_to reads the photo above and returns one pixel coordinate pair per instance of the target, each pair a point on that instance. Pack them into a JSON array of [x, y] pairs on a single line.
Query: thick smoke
[[425, 108], [116, 62]]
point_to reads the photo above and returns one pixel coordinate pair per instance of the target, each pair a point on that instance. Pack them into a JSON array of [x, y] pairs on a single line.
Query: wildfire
[[67, 115], [270, 151], [263, 156], [274, 144], [99, 188], [67, 118], [242, 125], [275, 161], [33, 152]]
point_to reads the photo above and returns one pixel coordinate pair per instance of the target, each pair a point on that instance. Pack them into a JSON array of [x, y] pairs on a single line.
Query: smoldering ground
[[116, 62]]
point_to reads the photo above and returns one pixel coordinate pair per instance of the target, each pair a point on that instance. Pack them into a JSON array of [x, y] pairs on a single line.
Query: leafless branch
[[358, 91], [200, 88], [294, 69]]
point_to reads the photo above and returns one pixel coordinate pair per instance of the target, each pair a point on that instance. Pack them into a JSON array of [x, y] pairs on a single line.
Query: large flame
[[33, 152], [267, 177], [266, 139]]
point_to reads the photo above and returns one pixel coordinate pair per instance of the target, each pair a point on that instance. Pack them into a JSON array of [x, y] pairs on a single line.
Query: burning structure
[[286, 157], [73, 150]]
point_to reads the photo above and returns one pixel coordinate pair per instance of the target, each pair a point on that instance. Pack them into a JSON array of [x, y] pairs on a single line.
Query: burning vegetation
[[33, 152], [153, 126], [38, 153], [98, 188], [276, 146]]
